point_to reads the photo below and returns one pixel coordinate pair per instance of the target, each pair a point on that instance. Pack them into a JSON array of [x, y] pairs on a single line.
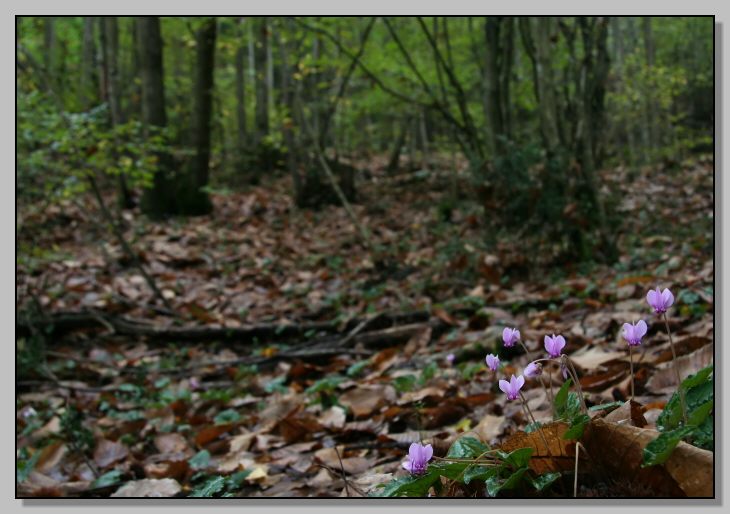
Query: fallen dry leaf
[[108, 452], [149, 488]]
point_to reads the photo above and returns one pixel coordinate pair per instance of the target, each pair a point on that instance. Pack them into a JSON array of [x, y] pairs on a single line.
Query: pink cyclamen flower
[[634, 333], [510, 336], [418, 457], [533, 370], [450, 359], [492, 362], [512, 388], [660, 301], [554, 345]]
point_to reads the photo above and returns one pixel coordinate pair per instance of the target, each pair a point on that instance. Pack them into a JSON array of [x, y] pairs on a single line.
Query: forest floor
[[320, 410]]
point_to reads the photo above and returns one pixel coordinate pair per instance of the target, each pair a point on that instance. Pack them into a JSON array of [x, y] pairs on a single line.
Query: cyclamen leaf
[[412, 486], [659, 450], [480, 473], [577, 426], [561, 397], [467, 448], [209, 487], [544, 481], [110, 478]]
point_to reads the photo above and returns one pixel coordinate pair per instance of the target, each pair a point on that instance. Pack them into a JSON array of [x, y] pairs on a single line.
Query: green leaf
[[24, 467], [428, 372], [543, 481], [404, 383], [517, 458], [227, 416], [200, 460], [477, 472], [495, 484], [605, 406], [703, 436], [413, 486], [699, 393], [577, 426], [561, 397], [109, 478], [467, 448], [326, 384], [210, 487], [532, 427], [659, 450], [357, 368]]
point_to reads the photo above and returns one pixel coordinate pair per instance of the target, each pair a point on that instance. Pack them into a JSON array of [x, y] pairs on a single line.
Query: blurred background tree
[[168, 109]]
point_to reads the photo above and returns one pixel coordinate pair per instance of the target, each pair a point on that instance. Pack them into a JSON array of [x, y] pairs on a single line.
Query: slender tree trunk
[[651, 106], [241, 96], [87, 88], [193, 200], [112, 90], [159, 200], [262, 93], [492, 27]]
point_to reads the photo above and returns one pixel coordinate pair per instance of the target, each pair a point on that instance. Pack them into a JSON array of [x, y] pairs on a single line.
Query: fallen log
[[61, 323]]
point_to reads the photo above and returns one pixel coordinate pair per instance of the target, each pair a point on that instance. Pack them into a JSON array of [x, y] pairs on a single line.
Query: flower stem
[[676, 371], [539, 428], [631, 364], [574, 374]]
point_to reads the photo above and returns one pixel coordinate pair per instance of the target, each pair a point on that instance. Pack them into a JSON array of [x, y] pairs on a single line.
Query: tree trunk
[[193, 200], [241, 96], [492, 27], [651, 106], [88, 87], [159, 200], [262, 94], [112, 90]]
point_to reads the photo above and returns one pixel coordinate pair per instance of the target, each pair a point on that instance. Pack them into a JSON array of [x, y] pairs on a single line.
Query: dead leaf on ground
[[108, 452], [171, 443], [618, 448], [351, 465], [365, 400], [149, 488], [558, 455], [630, 413], [664, 377]]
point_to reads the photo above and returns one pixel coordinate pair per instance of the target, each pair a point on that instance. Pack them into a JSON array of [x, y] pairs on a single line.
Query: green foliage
[[404, 383], [223, 486], [227, 416], [73, 430], [510, 471], [200, 460], [107, 479], [24, 464], [699, 398]]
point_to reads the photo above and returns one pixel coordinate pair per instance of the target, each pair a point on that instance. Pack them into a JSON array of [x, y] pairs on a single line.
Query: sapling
[[633, 334], [660, 301]]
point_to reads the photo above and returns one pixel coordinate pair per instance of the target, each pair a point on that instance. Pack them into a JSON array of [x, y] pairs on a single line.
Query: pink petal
[[520, 382], [641, 329], [667, 297], [628, 331], [504, 386], [414, 451], [561, 342], [428, 452], [408, 466], [651, 297]]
